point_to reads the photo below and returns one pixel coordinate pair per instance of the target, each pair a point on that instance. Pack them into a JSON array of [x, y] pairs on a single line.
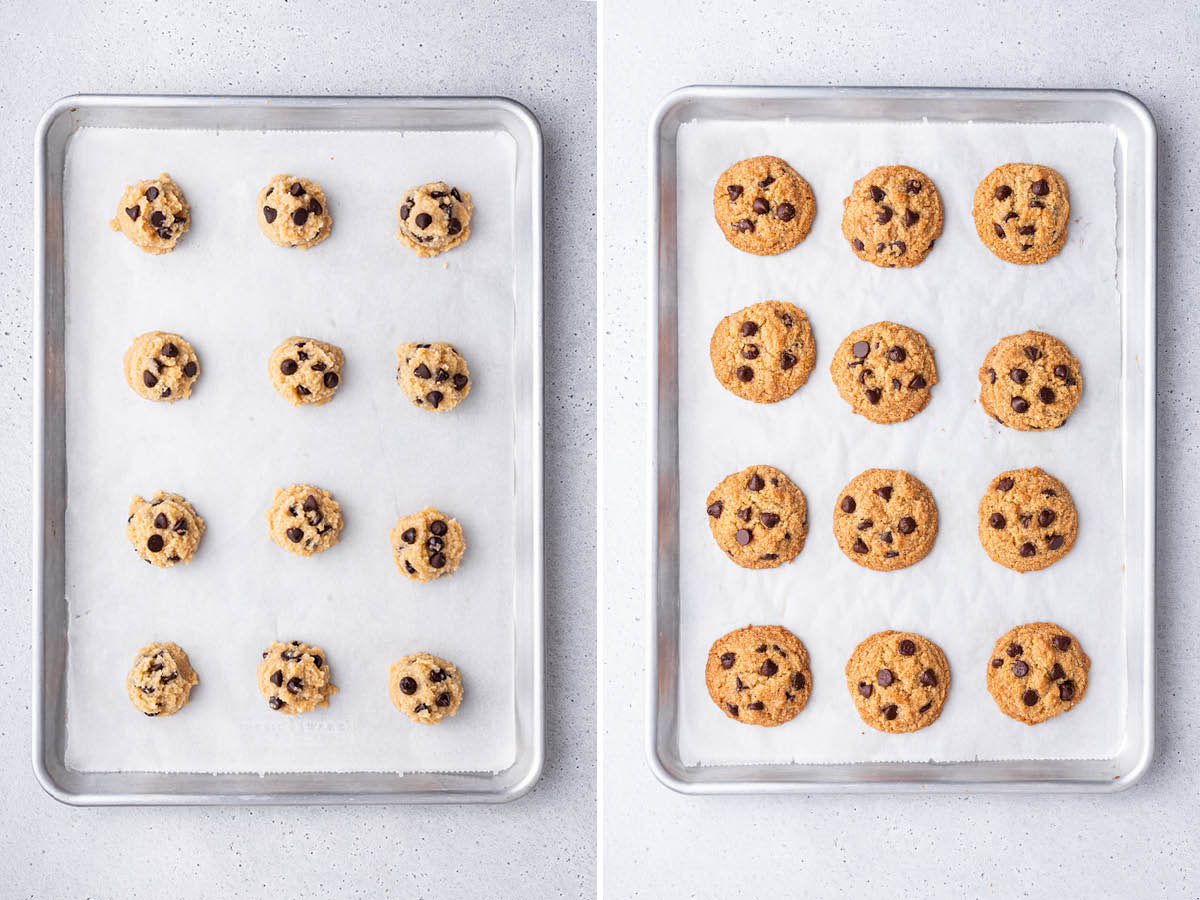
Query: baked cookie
[[305, 371], [303, 519], [434, 218], [758, 517], [425, 688], [161, 680], [153, 214], [427, 545], [1037, 671], [161, 366], [763, 205], [885, 519], [164, 530], [1030, 382], [293, 212], [759, 675], [892, 216], [433, 376], [294, 678], [898, 681], [1027, 520], [1021, 212], [764, 352], [885, 371]]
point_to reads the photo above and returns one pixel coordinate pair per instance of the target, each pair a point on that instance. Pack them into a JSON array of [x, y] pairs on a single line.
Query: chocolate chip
[[886, 537], [884, 677], [907, 525], [154, 543], [1027, 549], [997, 663], [408, 685], [1027, 246], [749, 329], [716, 508], [756, 705], [900, 247], [743, 225], [435, 398], [865, 689], [877, 193], [1003, 192], [884, 215], [860, 349], [1025, 229], [160, 521], [152, 193], [157, 219], [996, 520], [190, 370], [1054, 542], [907, 647], [786, 361], [798, 681], [133, 212], [1056, 672], [913, 186], [768, 667], [1046, 395], [1030, 697], [727, 660], [1014, 649], [890, 711], [874, 395], [317, 661], [1033, 354], [438, 560], [408, 568], [1066, 691], [1018, 375], [1039, 188], [288, 367], [1020, 668], [434, 544], [917, 383], [1046, 517], [769, 520], [858, 245], [742, 536], [848, 504], [750, 351], [733, 710], [330, 379], [300, 216], [437, 676], [760, 206], [1061, 642], [767, 182], [761, 648], [755, 483], [1004, 484], [269, 214], [409, 535], [785, 212], [294, 535], [277, 678], [405, 209], [1020, 404], [859, 546], [897, 354], [420, 707], [424, 220], [1036, 204], [865, 524], [148, 379], [910, 218], [744, 373], [460, 381], [275, 703], [735, 191], [442, 699], [884, 492], [1010, 215]]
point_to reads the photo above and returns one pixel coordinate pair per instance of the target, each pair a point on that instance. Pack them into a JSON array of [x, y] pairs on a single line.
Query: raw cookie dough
[[759, 675], [433, 376], [303, 519], [898, 681], [1021, 212], [161, 366], [1037, 671], [425, 688], [764, 352], [294, 677], [434, 218], [758, 517], [293, 212], [305, 371], [892, 216], [763, 205], [164, 530], [885, 519], [1030, 382], [885, 371], [161, 680], [153, 214], [1027, 520], [427, 545]]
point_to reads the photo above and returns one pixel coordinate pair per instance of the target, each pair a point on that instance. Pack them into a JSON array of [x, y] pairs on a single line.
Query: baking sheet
[[963, 299], [234, 296]]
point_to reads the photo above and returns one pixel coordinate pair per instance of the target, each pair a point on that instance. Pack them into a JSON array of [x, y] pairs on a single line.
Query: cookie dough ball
[[434, 218], [164, 530], [427, 545], [898, 681], [303, 519], [305, 371], [885, 519], [161, 366], [295, 678], [1027, 520], [758, 517], [892, 216], [425, 688], [153, 214], [1037, 671], [763, 205], [1030, 382], [759, 675], [161, 680], [764, 352], [433, 376], [293, 212], [1021, 212], [885, 371]]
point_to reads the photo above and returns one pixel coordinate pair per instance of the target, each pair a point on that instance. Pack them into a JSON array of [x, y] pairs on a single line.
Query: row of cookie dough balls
[[162, 366], [293, 212], [302, 519], [765, 352], [295, 678], [886, 519], [893, 214], [899, 681]]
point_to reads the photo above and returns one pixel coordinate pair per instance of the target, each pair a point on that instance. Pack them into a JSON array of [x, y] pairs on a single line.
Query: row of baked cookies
[[898, 681], [893, 214]]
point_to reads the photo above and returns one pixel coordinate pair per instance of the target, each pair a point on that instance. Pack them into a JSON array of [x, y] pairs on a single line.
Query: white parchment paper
[[234, 296], [963, 299]]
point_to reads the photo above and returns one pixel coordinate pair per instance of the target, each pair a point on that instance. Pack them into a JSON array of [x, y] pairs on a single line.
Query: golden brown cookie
[[305, 371], [885, 371], [164, 530], [427, 545], [759, 675], [1037, 671], [434, 218], [1021, 212], [763, 206], [1030, 382], [425, 688], [1027, 520], [898, 681], [758, 517], [885, 519], [153, 214], [764, 352], [161, 680], [293, 212], [295, 678], [433, 376], [161, 366], [304, 519], [892, 216]]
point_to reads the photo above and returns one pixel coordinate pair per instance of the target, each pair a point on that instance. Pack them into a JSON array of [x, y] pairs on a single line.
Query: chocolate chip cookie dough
[[763, 206], [885, 519], [161, 680], [161, 366], [1027, 520], [434, 218], [1030, 382], [425, 688], [758, 517], [305, 371], [898, 681], [1037, 671], [759, 675], [304, 519], [1021, 212], [892, 216], [293, 212], [764, 352], [885, 371], [427, 545], [295, 678], [433, 376], [164, 530], [153, 214]]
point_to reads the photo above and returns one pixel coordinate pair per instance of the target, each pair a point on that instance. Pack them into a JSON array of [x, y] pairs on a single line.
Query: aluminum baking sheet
[[1098, 295]]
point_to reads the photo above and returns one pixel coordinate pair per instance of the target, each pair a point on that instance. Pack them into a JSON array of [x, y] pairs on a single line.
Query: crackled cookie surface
[[885, 371], [1021, 212], [161, 680], [892, 216], [294, 677], [1030, 382], [434, 218], [764, 352], [164, 530], [1037, 671], [759, 675], [898, 681], [153, 214], [763, 206], [293, 212], [433, 376], [161, 366], [885, 519], [304, 519], [758, 517], [427, 545], [1027, 520], [425, 688], [305, 371]]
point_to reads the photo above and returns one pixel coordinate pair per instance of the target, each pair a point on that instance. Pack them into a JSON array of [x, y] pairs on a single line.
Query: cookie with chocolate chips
[[153, 214], [898, 681], [885, 371], [425, 688], [433, 376], [1027, 520], [161, 680], [892, 216], [1037, 671], [164, 530], [763, 206], [427, 545], [764, 352], [305, 371], [295, 678], [1021, 212], [1030, 382], [885, 519], [161, 366], [758, 517], [304, 519], [759, 675], [434, 218], [293, 212]]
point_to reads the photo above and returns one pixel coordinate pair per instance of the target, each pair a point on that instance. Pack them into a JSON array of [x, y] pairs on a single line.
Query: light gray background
[[540, 54], [660, 844]]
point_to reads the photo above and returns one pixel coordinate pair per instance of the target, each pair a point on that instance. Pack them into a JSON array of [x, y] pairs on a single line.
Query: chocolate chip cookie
[[304, 520], [153, 214], [759, 675], [161, 366], [295, 678], [892, 216], [1027, 520], [1037, 671], [1030, 382], [427, 545], [885, 519], [161, 680], [758, 517], [305, 371], [763, 206], [425, 688], [433, 376], [434, 218], [885, 371], [293, 212], [1021, 212], [764, 352], [164, 530], [898, 681]]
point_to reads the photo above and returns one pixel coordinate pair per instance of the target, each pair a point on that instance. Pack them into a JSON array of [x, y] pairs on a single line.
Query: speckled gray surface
[[539, 54], [1142, 842]]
